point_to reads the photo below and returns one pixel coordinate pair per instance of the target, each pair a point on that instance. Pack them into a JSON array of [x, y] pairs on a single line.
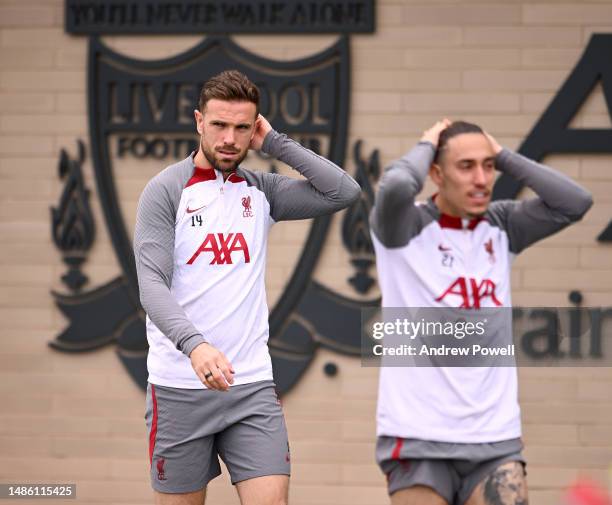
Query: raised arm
[[393, 217], [559, 202], [326, 189]]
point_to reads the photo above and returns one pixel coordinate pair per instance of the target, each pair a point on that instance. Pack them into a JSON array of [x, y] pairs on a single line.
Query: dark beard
[[214, 163]]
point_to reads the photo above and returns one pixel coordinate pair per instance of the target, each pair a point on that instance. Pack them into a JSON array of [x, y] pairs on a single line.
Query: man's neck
[[199, 160], [445, 208]]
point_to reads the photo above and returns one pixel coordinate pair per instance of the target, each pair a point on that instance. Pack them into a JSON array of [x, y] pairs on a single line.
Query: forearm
[[169, 317], [402, 181], [556, 190], [326, 177], [404, 178], [162, 308]]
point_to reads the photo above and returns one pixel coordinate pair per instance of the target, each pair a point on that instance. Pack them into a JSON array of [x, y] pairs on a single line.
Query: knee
[[277, 499], [280, 499]]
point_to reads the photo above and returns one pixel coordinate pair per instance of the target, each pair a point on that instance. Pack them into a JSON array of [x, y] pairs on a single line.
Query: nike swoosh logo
[[189, 211], [442, 248]]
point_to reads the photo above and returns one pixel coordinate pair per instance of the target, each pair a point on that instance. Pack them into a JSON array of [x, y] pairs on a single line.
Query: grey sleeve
[[559, 202], [327, 187], [395, 218], [154, 253]]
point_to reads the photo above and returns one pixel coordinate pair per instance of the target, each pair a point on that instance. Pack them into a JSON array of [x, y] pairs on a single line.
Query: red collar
[[447, 221], [209, 174], [454, 222], [201, 175], [234, 177]]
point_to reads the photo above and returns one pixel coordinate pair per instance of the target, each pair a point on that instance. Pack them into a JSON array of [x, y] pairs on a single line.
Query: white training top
[[200, 247]]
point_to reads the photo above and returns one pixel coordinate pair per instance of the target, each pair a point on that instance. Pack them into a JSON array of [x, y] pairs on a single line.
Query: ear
[[435, 172], [199, 119]]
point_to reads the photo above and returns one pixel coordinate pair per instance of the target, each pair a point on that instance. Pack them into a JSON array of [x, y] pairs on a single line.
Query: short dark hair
[[455, 128], [231, 86]]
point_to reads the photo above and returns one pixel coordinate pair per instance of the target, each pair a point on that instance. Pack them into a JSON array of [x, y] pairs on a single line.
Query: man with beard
[[451, 434], [200, 248]]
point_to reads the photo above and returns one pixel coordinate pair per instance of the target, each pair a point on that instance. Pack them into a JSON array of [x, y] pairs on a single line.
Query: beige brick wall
[[78, 418]]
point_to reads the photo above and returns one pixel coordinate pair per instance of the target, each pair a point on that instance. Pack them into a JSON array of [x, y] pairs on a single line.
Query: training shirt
[[428, 259], [200, 248]]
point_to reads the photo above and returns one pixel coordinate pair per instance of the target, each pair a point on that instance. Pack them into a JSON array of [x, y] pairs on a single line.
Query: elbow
[[401, 182], [353, 192], [396, 187], [349, 192], [582, 203], [146, 296], [586, 203], [144, 300]]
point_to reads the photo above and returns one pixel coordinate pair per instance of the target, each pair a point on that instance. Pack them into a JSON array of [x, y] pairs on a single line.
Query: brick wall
[[79, 418]]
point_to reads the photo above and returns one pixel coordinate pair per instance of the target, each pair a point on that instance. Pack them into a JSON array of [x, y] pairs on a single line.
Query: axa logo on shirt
[[222, 246], [471, 292]]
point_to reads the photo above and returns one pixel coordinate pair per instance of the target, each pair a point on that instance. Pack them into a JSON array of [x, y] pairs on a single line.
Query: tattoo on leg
[[506, 486]]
